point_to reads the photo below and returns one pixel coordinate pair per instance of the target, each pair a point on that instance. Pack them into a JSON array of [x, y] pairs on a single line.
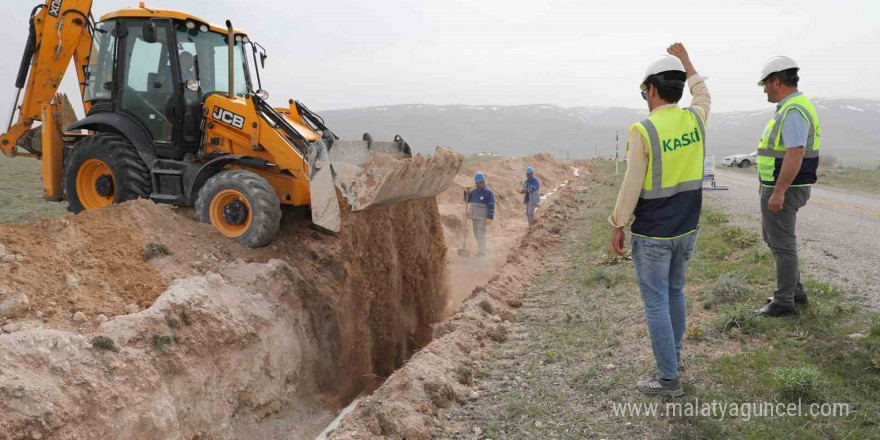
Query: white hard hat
[[776, 64], [665, 63]]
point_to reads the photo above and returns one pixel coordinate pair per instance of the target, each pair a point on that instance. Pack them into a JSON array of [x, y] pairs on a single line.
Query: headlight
[[203, 28], [190, 24], [238, 38], [245, 40]]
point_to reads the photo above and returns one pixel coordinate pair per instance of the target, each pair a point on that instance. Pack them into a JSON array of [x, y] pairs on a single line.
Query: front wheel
[[242, 206], [104, 169], [745, 164]]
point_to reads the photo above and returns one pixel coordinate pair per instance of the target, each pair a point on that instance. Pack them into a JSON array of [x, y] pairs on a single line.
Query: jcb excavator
[[172, 115]]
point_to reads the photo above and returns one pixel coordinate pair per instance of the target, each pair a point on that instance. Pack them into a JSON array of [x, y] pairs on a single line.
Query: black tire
[[130, 175], [262, 216], [745, 163]]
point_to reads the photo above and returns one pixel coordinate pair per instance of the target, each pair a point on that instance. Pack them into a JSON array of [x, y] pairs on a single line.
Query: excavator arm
[[60, 32]]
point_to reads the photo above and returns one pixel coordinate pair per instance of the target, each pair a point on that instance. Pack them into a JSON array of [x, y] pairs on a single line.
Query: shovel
[[463, 250]]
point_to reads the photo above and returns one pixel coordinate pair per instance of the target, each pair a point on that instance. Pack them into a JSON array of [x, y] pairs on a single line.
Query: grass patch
[[852, 178], [728, 289], [604, 277], [741, 316], [741, 238], [714, 218], [796, 383], [21, 191]]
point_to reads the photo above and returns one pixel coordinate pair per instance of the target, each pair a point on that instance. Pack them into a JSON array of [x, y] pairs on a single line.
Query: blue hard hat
[[529, 170], [479, 178]]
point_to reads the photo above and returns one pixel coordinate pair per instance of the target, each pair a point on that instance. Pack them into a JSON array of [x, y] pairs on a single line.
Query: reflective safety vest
[[672, 193], [771, 149]]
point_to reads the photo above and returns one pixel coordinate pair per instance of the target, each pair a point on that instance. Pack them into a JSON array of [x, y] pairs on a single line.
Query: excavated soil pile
[[412, 403], [234, 342]]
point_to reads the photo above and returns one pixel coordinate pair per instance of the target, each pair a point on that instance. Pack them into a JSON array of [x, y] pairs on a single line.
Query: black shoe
[[774, 310], [798, 300]]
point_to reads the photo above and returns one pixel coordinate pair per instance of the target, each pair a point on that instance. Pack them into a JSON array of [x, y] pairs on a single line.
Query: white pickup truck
[[740, 160]]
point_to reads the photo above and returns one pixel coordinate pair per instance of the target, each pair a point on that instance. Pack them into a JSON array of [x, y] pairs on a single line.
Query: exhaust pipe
[[231, 39]]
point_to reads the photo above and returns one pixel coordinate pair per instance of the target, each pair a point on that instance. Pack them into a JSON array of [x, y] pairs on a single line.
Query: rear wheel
[[745, 163], [104, 169], [242, 206]]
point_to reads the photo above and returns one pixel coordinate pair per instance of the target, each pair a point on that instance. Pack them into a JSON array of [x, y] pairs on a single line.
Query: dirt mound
[[247, 343], [412, 403]]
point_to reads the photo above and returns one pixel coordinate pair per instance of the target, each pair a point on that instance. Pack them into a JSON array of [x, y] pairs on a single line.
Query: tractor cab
[[156, 68]]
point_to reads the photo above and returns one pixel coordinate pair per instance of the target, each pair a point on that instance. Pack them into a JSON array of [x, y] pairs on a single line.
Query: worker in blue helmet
[[481, 210], [532, 194]]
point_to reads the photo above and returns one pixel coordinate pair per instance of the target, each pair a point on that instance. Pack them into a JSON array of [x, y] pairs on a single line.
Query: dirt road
[[838, 232]]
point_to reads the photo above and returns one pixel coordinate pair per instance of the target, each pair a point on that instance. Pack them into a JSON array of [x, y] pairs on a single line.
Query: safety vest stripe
[[812, 133], [779, 117], [656, 156], [777, 126], [702, 130], [690, 185], [657, 191], [779, 154]]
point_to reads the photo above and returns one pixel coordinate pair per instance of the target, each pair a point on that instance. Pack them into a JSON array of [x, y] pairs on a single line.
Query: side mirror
[[150, 32], [263, 57]]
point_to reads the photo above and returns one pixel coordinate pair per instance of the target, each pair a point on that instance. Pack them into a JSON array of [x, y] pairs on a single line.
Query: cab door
[[148, 81]]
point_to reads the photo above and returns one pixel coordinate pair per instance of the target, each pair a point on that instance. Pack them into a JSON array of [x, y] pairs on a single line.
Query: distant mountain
[[850, 128]]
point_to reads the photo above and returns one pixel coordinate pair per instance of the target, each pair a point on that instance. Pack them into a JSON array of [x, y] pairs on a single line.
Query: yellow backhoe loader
[[172, 115]]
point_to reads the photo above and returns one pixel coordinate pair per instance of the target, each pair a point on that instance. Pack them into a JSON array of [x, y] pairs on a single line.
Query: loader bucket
[[369, 174]]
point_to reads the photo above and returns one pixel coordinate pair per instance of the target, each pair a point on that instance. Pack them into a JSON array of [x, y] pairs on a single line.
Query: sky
[[335, 54]]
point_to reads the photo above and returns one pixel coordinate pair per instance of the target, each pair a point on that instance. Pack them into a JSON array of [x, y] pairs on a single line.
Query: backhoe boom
[[60, 32]]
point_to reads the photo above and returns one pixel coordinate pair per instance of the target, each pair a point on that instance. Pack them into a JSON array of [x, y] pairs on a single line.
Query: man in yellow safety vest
[[788, 156], [663, 190]]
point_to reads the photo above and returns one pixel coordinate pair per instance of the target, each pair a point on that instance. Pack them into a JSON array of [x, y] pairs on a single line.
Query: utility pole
[[616, 151]]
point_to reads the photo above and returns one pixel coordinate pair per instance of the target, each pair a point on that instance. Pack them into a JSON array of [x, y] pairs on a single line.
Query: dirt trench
[[505, 178], [230, 343], [414, 403], [211, 340]]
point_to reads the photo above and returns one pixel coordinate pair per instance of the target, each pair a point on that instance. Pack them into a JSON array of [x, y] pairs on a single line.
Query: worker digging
[[481, 210]]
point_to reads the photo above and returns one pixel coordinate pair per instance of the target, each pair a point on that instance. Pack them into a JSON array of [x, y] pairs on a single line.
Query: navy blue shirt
[[531, 185], [486, 197]]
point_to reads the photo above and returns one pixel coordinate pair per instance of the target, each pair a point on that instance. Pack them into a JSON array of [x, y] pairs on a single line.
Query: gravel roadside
[[838, 232]]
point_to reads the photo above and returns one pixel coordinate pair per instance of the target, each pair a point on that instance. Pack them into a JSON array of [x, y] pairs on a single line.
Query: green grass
[[21, 191], [863, 180], [809, 356]]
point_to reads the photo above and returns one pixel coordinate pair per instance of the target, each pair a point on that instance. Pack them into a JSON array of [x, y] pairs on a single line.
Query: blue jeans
[[660, 267]]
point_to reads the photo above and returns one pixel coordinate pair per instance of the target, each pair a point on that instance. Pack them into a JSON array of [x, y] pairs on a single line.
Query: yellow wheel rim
[[226, 213], [95, 184]]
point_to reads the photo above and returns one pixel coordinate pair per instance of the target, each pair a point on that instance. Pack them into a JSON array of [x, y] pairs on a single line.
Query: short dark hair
[[788, 77], [669, 84]]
